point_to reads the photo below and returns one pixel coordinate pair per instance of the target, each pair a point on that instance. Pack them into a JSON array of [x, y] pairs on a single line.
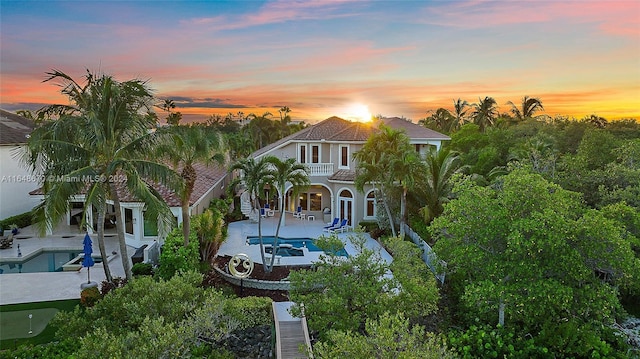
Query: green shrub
[[489, 342], [117, 282], [142, 269], [90, 296], [175, 257], [369, 226], [250, 311], [20, 220]]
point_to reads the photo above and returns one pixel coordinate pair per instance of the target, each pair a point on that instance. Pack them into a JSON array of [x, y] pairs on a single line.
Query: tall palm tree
[[283, 172], [460, 108], [255, 175], [376, 160], [485, 112], [190, 145], [406, 166], [99, 144], [440, 167], [529, 107]]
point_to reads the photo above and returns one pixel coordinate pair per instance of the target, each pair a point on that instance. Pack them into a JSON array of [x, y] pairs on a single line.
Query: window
[[303, 154], [128, 221], [344, 156], [370, 205], [150, 225], [303, 201], [316, 201], [315, 154]]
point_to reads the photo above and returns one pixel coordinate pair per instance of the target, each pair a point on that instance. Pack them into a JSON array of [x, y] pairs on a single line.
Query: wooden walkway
[[291, 333]]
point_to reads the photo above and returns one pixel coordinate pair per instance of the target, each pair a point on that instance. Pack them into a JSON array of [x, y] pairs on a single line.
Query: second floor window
[[315, 154], [303, 154], [344, 156]]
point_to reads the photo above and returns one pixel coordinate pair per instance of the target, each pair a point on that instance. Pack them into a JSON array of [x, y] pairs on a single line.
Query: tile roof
[[340, 130], [208, 177], [413, 130], [343, 175], [14, 129]]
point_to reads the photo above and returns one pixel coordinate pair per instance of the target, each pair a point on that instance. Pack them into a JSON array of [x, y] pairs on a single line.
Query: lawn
[[15, 326]]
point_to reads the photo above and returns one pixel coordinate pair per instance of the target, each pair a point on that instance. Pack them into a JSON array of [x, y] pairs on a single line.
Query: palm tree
[[441, 166], [529, 107], [375, 160], [441, 120], [485, 112], [190, 145], [460, 112], [283, 172], [99, 144], [406, 166], [255, 175]]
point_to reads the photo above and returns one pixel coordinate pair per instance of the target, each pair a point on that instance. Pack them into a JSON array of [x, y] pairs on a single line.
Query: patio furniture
[[270, 212], [311, 217], [337, 228], [263, 213], [332, 224], [298, 212]]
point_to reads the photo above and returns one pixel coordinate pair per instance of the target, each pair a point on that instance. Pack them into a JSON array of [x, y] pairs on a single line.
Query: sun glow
[[358, 112]]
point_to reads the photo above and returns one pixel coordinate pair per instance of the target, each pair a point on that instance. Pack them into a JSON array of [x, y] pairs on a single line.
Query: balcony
[[320, 169]]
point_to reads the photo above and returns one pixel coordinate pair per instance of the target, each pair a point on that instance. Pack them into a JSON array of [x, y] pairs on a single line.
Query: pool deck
[[39, 287], [293, 228], [48, 286]]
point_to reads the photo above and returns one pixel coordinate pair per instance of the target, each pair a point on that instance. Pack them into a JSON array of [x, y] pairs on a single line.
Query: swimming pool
[[45, 261], [309, 243]]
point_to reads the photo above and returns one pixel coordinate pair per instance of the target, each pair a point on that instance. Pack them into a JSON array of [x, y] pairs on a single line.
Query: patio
[[47, 286], [293, 228]]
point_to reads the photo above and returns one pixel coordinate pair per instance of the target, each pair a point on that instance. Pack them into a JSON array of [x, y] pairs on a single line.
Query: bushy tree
[[342, 293], [175, 257], [389, 336], [527, 253]]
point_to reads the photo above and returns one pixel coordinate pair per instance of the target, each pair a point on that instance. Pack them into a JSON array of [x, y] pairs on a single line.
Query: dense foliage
[[528, 251], [175, 257]]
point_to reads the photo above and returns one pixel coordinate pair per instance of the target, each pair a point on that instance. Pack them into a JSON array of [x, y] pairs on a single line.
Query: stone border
[[255, 283]]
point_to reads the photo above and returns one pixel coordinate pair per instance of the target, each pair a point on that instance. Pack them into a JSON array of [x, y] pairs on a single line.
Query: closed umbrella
[[88, 260]]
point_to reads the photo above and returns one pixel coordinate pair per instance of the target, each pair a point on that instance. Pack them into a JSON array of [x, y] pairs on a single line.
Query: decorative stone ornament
[[240, 266]]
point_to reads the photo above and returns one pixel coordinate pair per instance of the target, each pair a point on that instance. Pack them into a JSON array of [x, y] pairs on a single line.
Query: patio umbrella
[[88, 259]]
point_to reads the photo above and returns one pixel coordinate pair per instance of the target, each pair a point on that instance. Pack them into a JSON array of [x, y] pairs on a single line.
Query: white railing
[[437, 266], [320, 169]]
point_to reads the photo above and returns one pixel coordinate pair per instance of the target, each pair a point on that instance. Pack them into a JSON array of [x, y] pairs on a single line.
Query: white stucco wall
[[16, 182]]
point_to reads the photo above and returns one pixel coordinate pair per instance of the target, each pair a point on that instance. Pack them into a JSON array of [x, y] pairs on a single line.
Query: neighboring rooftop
[[208, 176], [14, 129]]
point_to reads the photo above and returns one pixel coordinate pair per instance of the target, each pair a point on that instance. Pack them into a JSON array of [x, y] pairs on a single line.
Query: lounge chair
[[268, 210], [263, 213], [338, 228], [332, 224], [298, 212]]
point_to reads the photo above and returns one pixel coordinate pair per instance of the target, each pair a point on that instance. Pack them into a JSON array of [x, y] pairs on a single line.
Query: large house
[[326, 148], [15, 178]]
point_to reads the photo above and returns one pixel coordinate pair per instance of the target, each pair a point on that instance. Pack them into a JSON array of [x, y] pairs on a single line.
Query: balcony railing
[[320, 169]]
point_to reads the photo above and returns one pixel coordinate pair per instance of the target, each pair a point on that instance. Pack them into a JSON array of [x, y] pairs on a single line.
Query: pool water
[[309, 243], [45, 261]]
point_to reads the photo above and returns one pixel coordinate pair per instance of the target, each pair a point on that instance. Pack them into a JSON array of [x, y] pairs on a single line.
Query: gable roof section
[[340, 130], [207, 177], [414, 131], [14, 129]]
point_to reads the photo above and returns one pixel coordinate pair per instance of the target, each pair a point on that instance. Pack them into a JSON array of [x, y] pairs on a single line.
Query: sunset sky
[[325, 58]]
